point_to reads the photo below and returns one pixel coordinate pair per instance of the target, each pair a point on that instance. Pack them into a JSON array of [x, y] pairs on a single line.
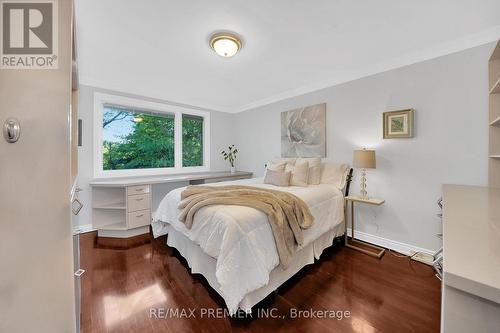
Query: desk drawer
[[139, 219], [138, 202], [137, 189]]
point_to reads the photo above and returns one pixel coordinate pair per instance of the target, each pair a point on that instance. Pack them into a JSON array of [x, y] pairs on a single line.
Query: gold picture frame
[[398, 124]]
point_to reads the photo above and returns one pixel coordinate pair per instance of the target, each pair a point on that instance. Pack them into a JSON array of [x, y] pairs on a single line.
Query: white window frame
[[101, 99]]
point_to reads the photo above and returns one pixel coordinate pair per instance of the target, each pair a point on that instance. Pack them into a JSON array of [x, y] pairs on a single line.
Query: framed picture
[[398, 124], [303, 132]]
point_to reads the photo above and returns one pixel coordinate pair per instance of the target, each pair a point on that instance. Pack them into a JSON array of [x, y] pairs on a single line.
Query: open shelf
[[496, 87], [494, 117], [495, 122], [117, 206]]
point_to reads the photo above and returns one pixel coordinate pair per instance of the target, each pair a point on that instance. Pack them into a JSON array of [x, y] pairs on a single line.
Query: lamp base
[[363, 194]]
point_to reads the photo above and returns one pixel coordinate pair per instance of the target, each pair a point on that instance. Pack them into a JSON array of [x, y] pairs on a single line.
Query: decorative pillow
[[334, 173], [300, 173], [276, 166], [278, 178], [286, 160], [314, 169]]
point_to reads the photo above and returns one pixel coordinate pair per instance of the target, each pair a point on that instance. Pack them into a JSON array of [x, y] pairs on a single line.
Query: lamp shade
[[364, 159]]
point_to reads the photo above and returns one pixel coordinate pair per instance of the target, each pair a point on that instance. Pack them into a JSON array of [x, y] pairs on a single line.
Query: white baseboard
[[81, 229], [403, 248]]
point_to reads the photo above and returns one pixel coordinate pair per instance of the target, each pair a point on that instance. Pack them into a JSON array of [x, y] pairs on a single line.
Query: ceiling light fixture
[[225, 44]]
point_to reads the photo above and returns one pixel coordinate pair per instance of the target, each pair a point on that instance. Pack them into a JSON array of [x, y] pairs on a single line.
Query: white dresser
[[471, 250]]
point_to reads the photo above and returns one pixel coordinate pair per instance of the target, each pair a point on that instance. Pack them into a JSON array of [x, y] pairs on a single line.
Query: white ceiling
[[159, 48]]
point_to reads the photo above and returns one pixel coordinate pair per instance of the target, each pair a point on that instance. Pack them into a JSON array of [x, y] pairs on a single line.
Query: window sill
[[137, 173]]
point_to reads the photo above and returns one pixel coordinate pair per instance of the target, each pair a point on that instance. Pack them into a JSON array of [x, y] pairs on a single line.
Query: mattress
[[240, 239]]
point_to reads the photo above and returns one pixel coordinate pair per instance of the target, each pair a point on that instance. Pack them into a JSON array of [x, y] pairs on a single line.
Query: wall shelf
[[495, 122]]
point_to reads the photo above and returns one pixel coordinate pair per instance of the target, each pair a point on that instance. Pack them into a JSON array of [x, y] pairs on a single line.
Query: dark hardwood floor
[[120, 287]]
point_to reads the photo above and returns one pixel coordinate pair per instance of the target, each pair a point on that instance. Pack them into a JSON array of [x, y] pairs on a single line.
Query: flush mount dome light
[[225, 44]]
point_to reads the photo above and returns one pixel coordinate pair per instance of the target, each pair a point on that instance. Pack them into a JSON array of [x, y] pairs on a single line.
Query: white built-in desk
[[198, 178], [471, 265], [122, 207]]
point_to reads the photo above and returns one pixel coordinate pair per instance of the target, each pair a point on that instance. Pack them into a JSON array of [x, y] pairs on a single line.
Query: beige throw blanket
[[287, 213]]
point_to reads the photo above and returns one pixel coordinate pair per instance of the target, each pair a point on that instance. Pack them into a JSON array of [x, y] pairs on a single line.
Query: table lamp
[[364, 159]]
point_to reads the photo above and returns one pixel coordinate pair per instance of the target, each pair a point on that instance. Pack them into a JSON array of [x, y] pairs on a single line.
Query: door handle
[[11, 130], [76, 210]]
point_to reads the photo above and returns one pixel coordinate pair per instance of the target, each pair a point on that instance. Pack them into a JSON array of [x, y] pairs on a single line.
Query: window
[[192, 140], [135, 137]]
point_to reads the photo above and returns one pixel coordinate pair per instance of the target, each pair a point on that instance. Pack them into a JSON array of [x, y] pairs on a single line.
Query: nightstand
[[362, 246]]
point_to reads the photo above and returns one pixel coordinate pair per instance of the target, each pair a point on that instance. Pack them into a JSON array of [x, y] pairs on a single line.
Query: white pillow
[[278, 178], [300, 173], [287, 160], [334, 173], [276, 166], [314, 169]]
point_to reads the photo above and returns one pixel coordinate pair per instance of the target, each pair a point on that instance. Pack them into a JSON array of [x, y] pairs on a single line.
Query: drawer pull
[[141, 215], [139, 199], [138, 189]]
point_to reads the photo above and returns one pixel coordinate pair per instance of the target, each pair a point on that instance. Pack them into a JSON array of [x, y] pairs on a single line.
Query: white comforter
[[240, 238]]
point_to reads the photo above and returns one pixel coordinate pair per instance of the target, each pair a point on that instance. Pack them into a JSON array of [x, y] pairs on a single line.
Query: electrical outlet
[[424, 258]]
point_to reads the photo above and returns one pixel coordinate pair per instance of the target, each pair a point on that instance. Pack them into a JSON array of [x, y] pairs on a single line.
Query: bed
[[233, 246]]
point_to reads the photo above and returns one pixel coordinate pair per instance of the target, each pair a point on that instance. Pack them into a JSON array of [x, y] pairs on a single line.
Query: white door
[[36, 251]]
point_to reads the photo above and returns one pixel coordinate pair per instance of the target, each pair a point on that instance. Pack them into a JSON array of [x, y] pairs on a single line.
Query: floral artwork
[[303, 132]]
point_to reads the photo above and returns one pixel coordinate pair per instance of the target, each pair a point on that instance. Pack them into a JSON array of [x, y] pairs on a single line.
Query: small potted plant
[[230, 156]]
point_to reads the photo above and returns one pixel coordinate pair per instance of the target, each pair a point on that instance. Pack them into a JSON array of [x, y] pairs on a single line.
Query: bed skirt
[[201, 263]]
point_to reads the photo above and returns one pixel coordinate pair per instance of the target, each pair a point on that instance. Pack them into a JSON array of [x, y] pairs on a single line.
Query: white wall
[[449, 95], [222, 134]]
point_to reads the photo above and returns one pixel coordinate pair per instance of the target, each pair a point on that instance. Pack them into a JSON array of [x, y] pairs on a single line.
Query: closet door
[[76, 202], [36, 236]]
